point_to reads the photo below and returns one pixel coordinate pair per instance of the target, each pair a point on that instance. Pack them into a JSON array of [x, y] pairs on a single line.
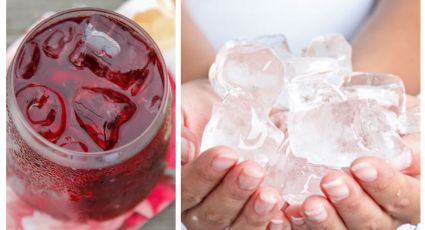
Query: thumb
[[413, 141], [198, 100], [189, 146]]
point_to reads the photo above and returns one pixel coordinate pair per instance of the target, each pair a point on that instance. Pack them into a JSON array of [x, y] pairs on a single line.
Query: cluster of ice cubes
[[303, 115]]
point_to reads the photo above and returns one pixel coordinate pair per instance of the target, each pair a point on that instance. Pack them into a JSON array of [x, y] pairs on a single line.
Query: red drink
[[88, 115]]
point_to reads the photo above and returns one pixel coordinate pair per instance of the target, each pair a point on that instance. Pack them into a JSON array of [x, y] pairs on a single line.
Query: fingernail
[[188, 150], [265, 202], [224, 161], [276, 225], [365, 171], [277, 222], [401, 161], [250, 178], [316, 213], [297, 220], [337, 189]]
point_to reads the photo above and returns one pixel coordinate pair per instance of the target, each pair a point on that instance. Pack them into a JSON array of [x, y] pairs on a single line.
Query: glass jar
[[63, 160]]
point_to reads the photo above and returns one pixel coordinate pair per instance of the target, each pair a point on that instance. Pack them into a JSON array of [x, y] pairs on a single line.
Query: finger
[[396, 193], [320, 214], [189, 146], [279, 221], [226, 201], [354, 206], [413, 141], [412, 103], [200, 176], [293, 213], [198, 100], [259, 210]]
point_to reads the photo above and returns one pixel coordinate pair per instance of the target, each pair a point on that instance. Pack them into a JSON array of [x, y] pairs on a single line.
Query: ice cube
[[101, 53], [329, 117], [239, 124], [44, 110], [279, 117], [55, 42], [295, 178], [72, 144], [96, 46], [254, 68], [277, 42], [335, 134], [100, 42], [386, 89], [332, 46], [27, 61], [311, 82], [100, 63], [101, 112], [410, 121]]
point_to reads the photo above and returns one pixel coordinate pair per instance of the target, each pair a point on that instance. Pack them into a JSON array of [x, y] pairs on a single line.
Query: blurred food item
[[157, 17], [159, 24]]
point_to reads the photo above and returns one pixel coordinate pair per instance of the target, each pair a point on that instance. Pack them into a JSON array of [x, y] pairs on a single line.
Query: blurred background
[[21, 13]]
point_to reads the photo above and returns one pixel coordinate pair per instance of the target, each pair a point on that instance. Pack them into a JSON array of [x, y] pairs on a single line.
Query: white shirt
[[299, 20]]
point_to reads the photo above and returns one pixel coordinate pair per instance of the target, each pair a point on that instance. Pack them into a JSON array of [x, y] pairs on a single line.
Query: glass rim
[[157, 120]]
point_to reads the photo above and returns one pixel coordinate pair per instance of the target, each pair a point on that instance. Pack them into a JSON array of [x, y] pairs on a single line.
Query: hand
[[198, 100], [217, 192], [375, 194]]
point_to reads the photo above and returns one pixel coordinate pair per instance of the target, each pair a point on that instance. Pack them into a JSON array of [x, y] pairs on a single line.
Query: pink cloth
[[22, 216]]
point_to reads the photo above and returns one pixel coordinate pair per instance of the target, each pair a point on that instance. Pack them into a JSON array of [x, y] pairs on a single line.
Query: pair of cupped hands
[[218, 192]]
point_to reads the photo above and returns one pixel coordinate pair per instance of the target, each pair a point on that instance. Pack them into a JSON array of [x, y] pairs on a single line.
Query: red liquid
[[87, 83]]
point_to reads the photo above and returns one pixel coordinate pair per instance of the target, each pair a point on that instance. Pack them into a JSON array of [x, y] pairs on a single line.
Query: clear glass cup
[[75, 181]]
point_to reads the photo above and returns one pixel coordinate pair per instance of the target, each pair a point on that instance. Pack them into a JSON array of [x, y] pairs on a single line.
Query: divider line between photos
[[422, 103], [178, 113]]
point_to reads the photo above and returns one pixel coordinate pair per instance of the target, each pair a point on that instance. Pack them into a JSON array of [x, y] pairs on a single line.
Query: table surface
[[23, 13]]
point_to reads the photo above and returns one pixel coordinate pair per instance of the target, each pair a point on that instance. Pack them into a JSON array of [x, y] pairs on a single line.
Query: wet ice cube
[[307, 67], [100, 42], [239, 124], [104, 65], [279, 117], [101, 112], [277, 42], [311, 82], [72, 144], [55, 42], [96, 45], [386, 89], [28, 60], [100, 52], [295, 178], [335, 134], [44, 109], [410, 120], [254, 68], [332, 46]]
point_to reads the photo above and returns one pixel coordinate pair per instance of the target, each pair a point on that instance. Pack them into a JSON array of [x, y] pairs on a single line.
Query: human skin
[[217, 191], [197, 52], [382, 194], [390, 199], [388, 42]]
